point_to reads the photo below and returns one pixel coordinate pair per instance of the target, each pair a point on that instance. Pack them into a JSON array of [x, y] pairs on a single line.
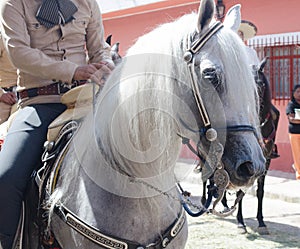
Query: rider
[[48, 42], [8, 81]]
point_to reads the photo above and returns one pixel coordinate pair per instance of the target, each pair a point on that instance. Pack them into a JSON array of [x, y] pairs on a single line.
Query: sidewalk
[[278, 185]]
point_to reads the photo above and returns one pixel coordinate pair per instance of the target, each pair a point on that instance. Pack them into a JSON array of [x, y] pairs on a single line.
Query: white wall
[[112, 5]]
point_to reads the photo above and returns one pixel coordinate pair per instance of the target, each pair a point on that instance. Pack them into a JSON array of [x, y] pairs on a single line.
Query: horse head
[[195, 81], [226, 124], [114, 51], [264, 90]]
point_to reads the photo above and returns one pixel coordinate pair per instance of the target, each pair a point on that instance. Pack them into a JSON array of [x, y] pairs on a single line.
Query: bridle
[[220, 175], [189, 57]]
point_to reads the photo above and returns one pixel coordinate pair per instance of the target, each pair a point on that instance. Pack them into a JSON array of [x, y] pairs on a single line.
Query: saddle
[[79, 102]]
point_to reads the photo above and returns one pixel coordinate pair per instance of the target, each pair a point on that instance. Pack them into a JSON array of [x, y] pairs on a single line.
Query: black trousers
[[20, 155]]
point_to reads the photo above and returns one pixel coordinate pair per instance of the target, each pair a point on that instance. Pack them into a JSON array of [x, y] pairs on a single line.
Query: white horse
[[188, 78]]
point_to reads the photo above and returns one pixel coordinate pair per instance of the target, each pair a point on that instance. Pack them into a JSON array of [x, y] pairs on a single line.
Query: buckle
[[63, 87], [76, 83]]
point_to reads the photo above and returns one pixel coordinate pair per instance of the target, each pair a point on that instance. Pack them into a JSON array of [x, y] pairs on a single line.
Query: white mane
[[144, 83]]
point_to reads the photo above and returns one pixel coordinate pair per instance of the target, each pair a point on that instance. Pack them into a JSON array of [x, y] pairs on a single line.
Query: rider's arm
[[18, 43], [41, 52], [95, 33]]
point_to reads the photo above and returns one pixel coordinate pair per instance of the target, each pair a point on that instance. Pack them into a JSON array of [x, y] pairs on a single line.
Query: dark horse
[[116, 57], [269, 117]]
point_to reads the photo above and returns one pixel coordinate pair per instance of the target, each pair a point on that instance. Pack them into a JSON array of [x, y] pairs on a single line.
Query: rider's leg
[[19, 156]]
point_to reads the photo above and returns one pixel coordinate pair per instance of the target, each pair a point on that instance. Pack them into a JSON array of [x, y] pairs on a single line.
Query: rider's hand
[[8, 98], [96, 72]]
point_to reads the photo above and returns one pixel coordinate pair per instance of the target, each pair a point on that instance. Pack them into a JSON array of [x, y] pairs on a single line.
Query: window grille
[[283, 67]]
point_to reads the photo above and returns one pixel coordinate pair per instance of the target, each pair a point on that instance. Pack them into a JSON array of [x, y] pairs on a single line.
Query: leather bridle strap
[[111, 242], [197, 45], [210, 133]]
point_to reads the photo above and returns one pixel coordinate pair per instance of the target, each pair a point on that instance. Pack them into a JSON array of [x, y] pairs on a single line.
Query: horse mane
[[146, 76]]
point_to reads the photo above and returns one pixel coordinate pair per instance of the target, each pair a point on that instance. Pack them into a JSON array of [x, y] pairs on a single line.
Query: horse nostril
[[246, 170]]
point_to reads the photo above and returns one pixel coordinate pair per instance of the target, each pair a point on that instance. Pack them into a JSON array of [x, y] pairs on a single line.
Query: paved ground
[[281, 210]]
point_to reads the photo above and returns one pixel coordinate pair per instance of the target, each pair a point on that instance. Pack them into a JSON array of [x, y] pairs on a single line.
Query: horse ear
[[263, 63], [108, 39], [233, 18], [115, 47], [205, 13]]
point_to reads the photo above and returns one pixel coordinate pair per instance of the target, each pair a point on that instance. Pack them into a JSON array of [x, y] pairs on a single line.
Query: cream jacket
[[44, 56]]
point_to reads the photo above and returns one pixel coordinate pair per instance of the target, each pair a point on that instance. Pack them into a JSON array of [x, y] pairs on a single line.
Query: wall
[[270, 16], [127, 25]]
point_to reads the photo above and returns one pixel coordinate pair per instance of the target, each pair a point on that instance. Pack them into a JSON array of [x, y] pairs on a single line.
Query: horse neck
[[265, 96], [96, 189], [118, 154]]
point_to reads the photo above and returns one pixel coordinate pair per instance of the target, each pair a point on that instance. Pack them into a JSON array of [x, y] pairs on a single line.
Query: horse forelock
[[241, 94]]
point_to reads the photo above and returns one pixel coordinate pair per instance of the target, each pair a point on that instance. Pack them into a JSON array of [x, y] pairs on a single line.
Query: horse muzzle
[[243, 160]]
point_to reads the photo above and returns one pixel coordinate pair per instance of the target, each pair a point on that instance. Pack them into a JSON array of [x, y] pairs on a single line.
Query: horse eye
[[213, 75]]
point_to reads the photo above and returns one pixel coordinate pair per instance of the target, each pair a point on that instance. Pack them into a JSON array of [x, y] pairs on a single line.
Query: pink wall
[[127, 25], [270, 16], [284, 162]]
